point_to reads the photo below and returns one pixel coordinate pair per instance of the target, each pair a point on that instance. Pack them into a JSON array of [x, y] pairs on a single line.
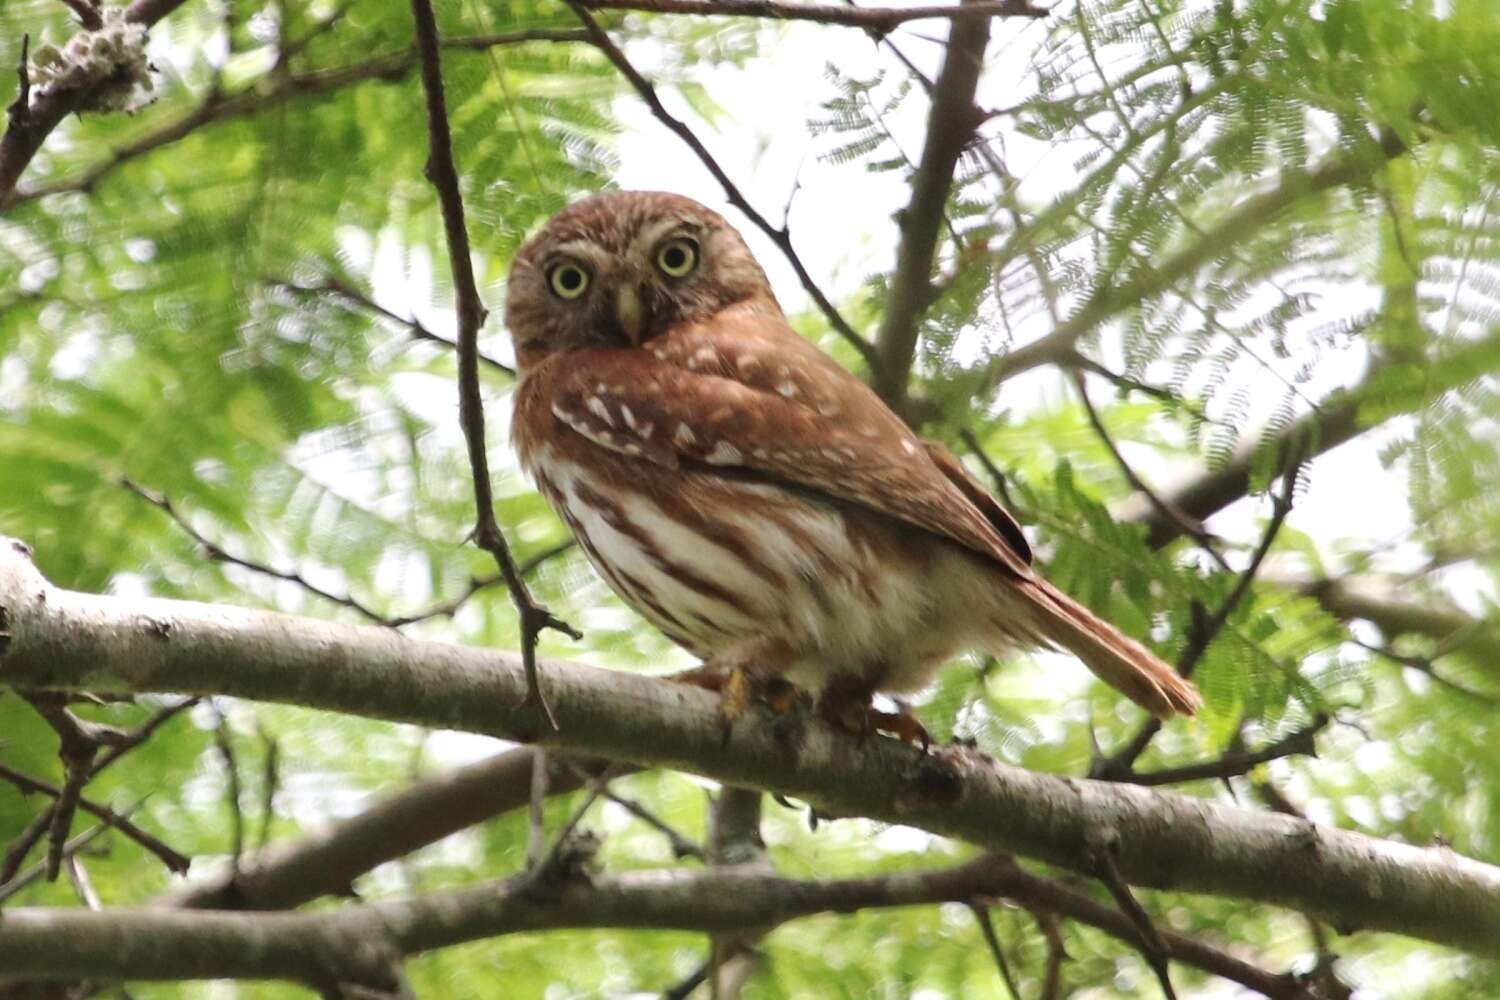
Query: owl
[[750, 497]]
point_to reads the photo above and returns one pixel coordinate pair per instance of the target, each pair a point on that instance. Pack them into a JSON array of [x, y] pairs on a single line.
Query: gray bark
[[72, 641]]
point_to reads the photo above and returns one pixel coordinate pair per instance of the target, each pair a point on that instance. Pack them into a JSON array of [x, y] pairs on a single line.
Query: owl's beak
[[629, 312]]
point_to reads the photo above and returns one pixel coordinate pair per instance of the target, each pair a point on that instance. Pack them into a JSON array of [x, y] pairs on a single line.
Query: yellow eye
[[677, 257], [568, 280]]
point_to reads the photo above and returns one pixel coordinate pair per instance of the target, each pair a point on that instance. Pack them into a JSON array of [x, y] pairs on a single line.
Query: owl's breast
[[714, 559]]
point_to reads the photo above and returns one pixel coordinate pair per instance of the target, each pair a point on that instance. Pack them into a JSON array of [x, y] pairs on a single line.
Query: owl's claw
[[735, 696], [862, 719], [901, 724]]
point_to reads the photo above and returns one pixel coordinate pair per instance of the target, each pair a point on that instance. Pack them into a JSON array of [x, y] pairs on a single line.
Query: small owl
[[750, 497]]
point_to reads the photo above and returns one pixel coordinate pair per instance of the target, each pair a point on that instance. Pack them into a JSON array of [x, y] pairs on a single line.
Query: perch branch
[[65, 640]]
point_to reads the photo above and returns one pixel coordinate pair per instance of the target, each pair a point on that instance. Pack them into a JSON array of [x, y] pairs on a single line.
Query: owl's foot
[[862, 718], [901, 724]]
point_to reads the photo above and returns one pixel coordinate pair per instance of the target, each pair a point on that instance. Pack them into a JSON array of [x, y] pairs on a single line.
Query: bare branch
[[878, 20], [165, 944], [1236, 762], [174, 861], [218, 553], [64, 640], [331, 286], [781, 236], [327, 863], [443, 173], [1187, 526]]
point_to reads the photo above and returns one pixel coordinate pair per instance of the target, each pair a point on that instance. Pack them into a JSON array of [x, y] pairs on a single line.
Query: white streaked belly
[[826, 595]]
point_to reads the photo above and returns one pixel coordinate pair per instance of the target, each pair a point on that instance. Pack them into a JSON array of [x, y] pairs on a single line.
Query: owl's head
[[620, 268]]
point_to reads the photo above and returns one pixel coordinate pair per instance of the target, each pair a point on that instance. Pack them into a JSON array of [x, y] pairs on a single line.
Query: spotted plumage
[[747, 495]]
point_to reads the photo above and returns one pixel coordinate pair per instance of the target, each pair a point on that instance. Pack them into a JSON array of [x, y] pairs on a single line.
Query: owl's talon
[[735, 695], [860, 718], [901, 724]]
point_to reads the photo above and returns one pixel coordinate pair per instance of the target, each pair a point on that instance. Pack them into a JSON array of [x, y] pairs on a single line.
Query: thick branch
[[326, 863], [869, 18], [357, 942], [951, 121], [66, 640]]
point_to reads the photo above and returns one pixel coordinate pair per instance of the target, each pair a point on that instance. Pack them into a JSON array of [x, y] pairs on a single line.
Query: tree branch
[[357, 943], [174, 861], [1234, 228], [951, 121], [265, 93], [333, 287], [1337, 419], [326, 863], [878, 20], [443, 173], [32, 121], [64, 640]]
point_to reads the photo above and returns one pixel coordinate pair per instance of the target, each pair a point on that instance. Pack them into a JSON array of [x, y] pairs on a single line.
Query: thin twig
[[414, 327], [871, 19], [1057, 954], [87, 13], [682, 846], [1185, 524], [77, 747], [16, 851], [232, 791], [443, 175], [1151, 943], [174, 861], [270, 781], [82, 884], [1237, 762], [997, 478], [1121, 764], [217, 553], [782, 236], [536, 827], [987, 928], [35, 873]]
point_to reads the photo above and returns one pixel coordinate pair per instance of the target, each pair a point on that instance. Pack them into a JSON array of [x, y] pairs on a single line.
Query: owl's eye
[[677, 257], [567, 280]]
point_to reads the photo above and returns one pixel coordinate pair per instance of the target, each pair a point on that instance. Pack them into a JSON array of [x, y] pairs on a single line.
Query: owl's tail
[[1113, 656]]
